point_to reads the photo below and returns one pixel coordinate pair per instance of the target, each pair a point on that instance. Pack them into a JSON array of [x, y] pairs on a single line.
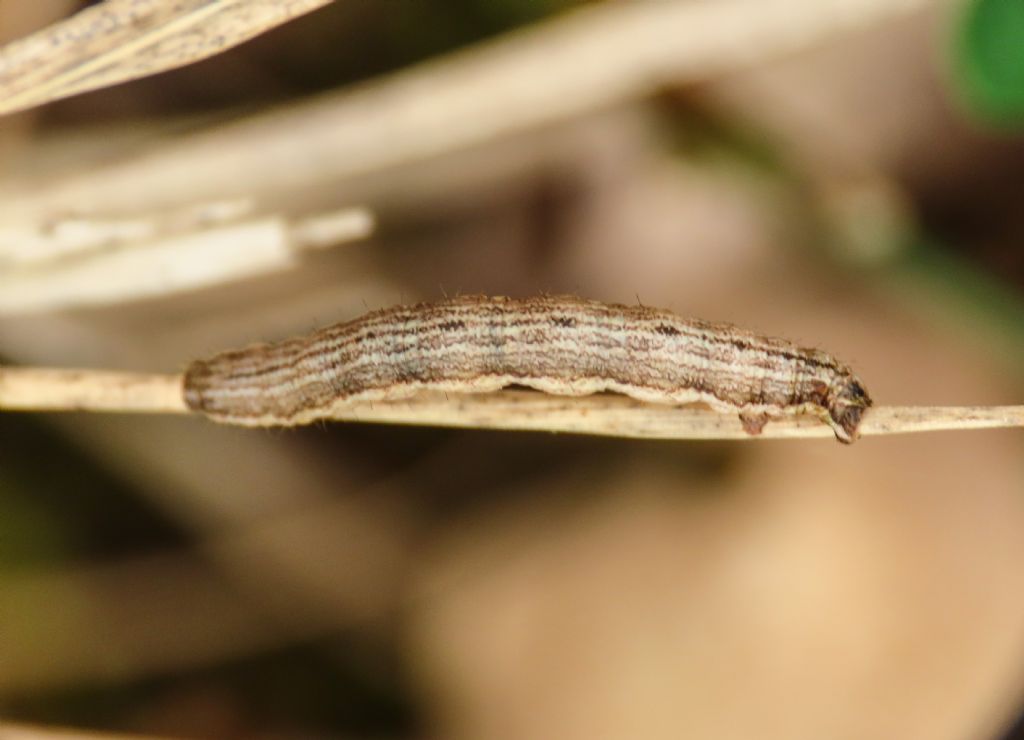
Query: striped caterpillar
[[556, 344]]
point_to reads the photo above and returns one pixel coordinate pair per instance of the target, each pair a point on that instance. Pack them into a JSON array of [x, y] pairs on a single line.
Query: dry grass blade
[[618, 416], [46, 389], [50, 389], [120, 40], [583, 61], [178, 262]]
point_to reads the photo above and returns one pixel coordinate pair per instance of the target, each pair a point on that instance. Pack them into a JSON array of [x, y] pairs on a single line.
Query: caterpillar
[[562, 345]]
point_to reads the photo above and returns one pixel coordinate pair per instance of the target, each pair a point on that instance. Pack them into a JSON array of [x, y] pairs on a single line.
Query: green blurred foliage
[[988, 58]]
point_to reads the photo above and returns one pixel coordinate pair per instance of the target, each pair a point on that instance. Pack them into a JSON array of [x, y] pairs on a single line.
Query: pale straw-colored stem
[[53, 389], [174, 263], [595, 58], [46, 389]]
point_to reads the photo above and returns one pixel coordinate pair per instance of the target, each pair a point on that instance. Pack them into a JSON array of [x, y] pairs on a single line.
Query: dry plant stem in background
[[43, 389], [584, 61], [184, 261], [120, 40]]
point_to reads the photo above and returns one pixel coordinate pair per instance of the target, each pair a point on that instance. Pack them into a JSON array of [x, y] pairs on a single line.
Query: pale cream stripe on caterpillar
[[557, 344]]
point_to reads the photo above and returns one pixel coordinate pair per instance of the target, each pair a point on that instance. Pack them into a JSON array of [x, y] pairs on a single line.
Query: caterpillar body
[[556, 344]]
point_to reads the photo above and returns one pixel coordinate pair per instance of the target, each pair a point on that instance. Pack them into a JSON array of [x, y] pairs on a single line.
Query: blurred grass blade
[[120, 40]]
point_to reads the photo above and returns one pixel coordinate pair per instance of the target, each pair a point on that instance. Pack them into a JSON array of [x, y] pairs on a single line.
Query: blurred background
[[850, 178]]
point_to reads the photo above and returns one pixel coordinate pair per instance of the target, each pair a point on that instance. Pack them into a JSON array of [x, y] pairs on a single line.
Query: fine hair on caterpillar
[[561, 345]]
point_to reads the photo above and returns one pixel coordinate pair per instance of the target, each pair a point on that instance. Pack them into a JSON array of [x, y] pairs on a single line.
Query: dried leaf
[[120, 40]]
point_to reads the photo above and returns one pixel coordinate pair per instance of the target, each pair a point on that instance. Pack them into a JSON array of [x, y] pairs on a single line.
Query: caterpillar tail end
[[193, 385]]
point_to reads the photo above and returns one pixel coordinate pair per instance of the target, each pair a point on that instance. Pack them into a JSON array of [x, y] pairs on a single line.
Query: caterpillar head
[[847, 402]]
